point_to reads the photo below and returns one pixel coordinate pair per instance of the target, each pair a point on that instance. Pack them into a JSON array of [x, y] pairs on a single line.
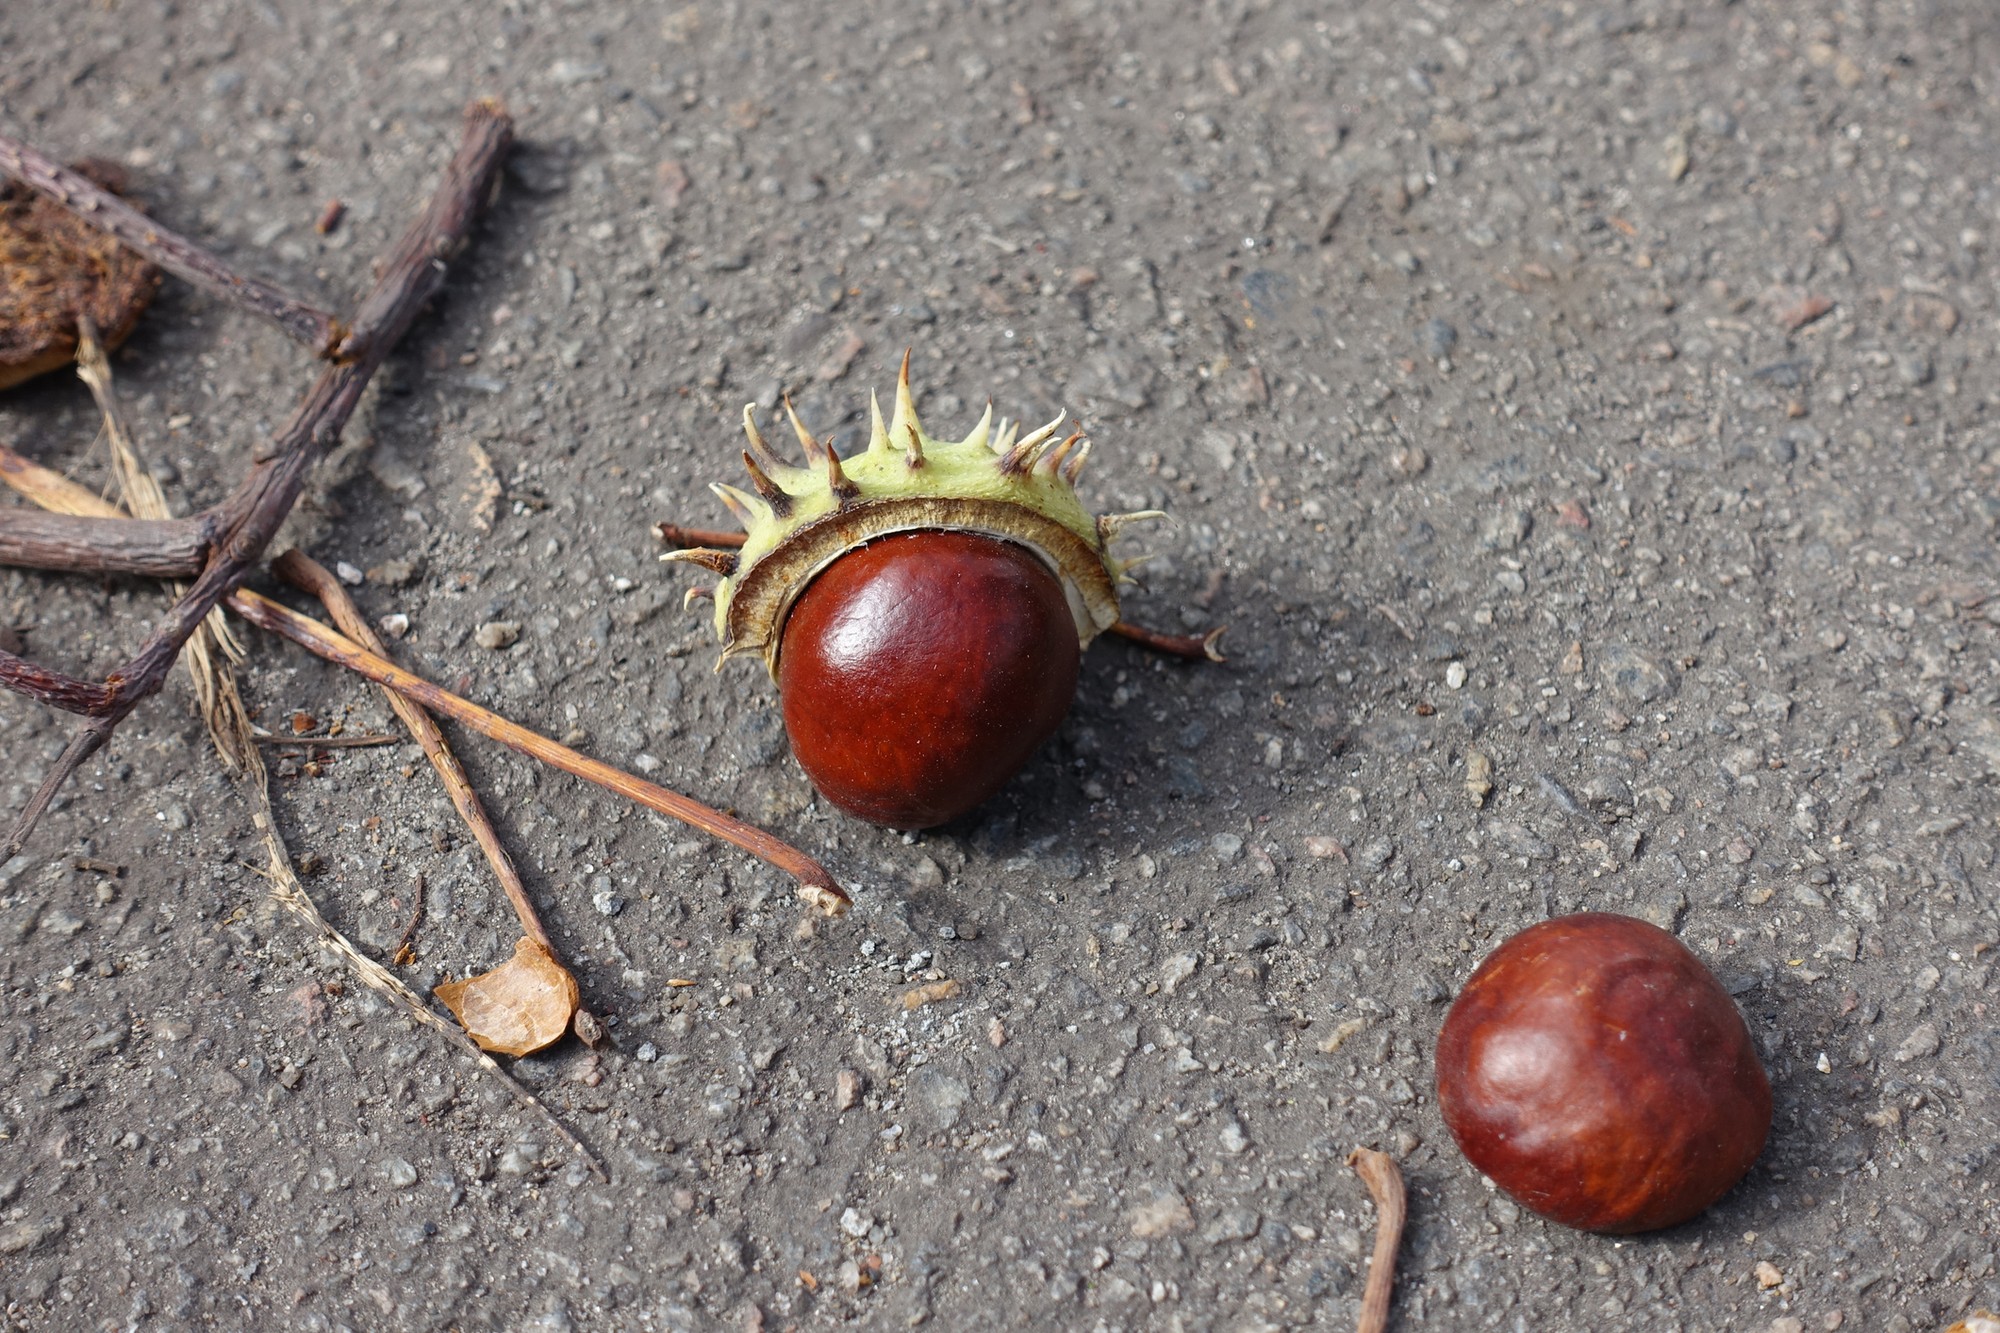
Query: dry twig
[[815, 885], [219, 547], [1385, 1183], [307, 576], [1194, 647]]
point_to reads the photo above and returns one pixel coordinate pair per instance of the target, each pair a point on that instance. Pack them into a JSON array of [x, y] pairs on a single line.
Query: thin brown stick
[[1196, 647], [361, 742], [405, 952], [307, 576], [250, 518], [1385, 1183], [815, 885], [673, 534], [176, 254]]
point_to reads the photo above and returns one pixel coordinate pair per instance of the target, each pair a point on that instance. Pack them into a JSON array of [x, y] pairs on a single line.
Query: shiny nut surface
[[1601, 1075]]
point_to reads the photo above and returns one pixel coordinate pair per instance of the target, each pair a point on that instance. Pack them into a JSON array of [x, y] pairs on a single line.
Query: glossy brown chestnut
[[918, 673], [1601, 1075]]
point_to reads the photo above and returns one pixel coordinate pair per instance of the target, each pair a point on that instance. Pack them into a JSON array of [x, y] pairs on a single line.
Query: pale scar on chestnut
[[956, 583]]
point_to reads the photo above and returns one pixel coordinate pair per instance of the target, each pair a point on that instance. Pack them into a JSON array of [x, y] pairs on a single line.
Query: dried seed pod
[[55, 267], [921, 604]]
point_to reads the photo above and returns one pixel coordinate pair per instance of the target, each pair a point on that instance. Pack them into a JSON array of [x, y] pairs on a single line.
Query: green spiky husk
[[798, 520]]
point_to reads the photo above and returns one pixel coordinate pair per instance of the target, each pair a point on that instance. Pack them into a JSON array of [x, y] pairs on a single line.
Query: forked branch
[[244, 523]]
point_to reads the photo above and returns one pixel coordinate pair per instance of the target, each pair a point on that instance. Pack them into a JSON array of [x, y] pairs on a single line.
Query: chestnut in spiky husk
[[921, 604], [1595, 1070]]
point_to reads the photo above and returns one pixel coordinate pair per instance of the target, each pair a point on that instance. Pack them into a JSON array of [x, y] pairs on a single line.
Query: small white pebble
[[349, 575], [1454, 675], [395, 626]]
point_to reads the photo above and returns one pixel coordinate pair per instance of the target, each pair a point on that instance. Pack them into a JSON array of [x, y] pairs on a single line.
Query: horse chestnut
[[920, 672], [1595, 1070], [922, 604]]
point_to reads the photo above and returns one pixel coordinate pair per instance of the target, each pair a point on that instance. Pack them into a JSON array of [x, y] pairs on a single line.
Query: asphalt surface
[[1596, 402]]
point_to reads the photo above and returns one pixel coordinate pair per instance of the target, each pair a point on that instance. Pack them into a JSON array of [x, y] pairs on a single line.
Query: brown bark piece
[[54, 266]]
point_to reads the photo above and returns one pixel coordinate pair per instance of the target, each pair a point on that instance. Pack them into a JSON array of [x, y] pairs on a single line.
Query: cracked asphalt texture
[[1596, 402]]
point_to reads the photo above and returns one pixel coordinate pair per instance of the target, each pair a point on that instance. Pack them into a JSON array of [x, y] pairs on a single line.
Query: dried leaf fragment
[[53, 267], [519, 1007], [1338, 1037], [919, 996], [1795, 310], [1478, 776], [485, 491]]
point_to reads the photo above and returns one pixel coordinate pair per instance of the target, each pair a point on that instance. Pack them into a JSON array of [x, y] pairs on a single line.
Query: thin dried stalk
[[815, 885], [51, 490], [1385, 1183], [1194, 647], [294, 568], [144, 499]]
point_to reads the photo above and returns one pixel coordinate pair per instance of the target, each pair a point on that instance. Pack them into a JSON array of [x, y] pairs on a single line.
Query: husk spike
[[906, 405], [745, 506], [981, 432], [814, 449], [774, 495], [1109, 526], [1052, 460], [759, 447], [836, 480], [1073, 469], [1021, 458], [716, 562], [914, 451], [878, 434]]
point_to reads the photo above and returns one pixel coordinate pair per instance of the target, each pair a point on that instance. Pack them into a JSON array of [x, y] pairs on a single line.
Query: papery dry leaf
[[54, 266], [519, 1007], [919, 996], [485, 490], [1979, 1321]]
